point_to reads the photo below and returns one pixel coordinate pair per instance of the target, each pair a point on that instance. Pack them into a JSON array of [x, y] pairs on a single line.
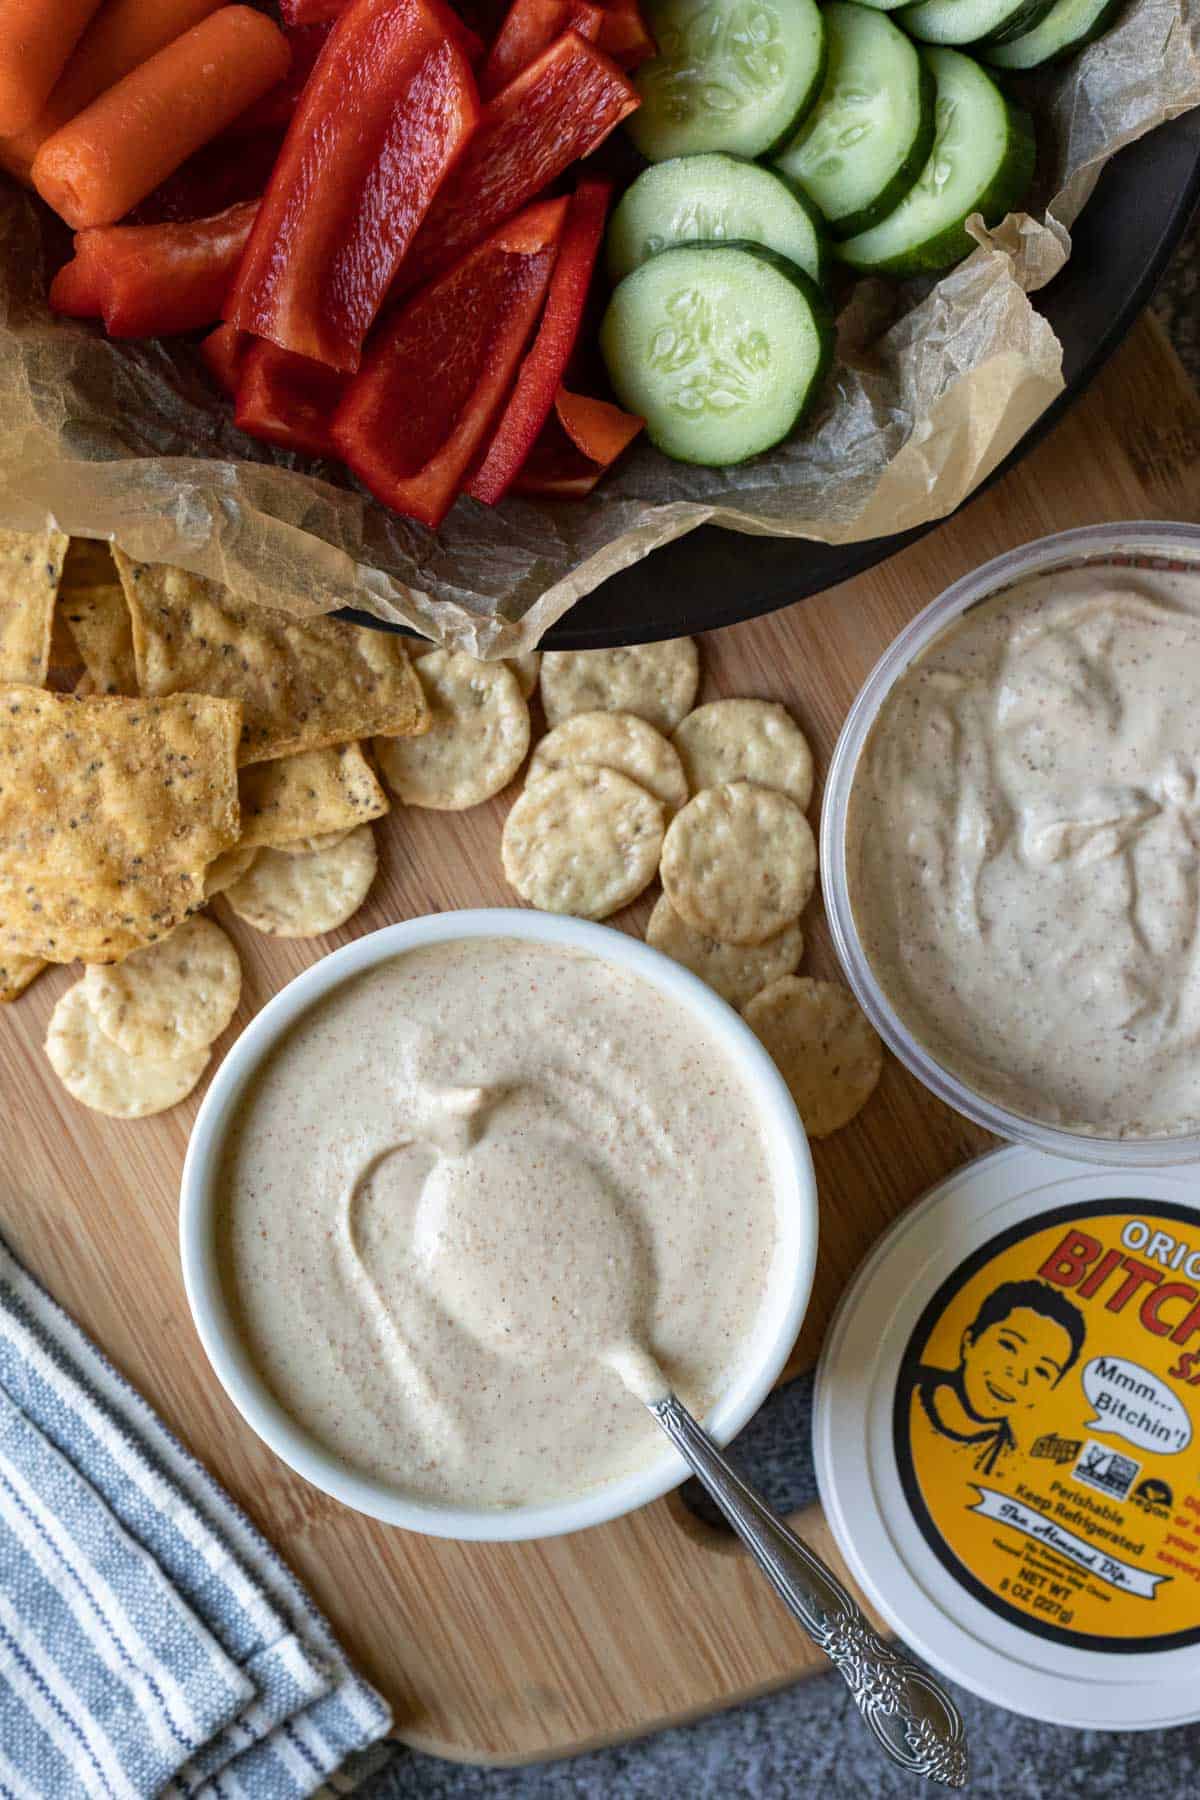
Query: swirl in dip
[[1021, 850], [461, 1181]]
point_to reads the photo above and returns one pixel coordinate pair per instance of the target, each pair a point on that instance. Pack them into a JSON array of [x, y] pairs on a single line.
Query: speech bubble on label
[[1131, 1402]]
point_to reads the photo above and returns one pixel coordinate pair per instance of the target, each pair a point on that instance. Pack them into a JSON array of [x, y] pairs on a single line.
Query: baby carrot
[[121, 36], [36, 38], [96, 168]]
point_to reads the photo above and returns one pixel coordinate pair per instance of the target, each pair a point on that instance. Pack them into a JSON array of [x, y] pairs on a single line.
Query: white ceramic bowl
[[796, 1202], [1129, 542]]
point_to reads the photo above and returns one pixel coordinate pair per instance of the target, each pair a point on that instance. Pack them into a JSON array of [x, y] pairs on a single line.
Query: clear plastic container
[[1129, 543]]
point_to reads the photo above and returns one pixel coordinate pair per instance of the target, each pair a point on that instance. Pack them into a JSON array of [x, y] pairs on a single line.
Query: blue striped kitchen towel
[[151, 1641]]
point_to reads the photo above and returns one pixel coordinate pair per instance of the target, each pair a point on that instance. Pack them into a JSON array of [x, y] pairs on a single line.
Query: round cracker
[[305, 896], [658, 682], [525, 667], [739, 863], [478, 739], [822, 1045], [324, 840], [174, 996], [582, 841], [101, 1075], [227, 868], [735, 971], [746, 740], [615, 740]]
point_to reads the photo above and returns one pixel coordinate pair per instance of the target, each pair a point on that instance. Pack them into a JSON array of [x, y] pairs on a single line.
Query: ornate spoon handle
[[914, 1720]]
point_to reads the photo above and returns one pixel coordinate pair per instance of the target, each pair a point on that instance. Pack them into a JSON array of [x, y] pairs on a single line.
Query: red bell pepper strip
[[300, 14], [274, 111], [531, 26], [153, 280], [532, 400], [625, 35], [468, 40], [577, 445], [385, 113], [559, 109], [415, 416], [222, 353], [286, 399]]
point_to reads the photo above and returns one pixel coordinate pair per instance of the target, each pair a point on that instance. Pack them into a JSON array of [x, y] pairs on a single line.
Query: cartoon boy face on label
[[1019, 1346], [1008, 1366]]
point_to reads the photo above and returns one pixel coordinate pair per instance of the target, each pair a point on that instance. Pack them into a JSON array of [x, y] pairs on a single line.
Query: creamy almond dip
[[462, 1181], [1021, 850]]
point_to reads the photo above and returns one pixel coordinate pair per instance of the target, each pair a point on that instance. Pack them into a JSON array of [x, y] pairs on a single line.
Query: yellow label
[[1047, 1425]]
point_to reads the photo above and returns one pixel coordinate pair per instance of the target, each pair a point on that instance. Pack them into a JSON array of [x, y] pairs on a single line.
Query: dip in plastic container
[[1007, 1436], [1011, 845]]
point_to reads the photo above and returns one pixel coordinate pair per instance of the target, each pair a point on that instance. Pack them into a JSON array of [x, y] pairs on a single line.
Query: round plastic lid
[[1007, 1436]]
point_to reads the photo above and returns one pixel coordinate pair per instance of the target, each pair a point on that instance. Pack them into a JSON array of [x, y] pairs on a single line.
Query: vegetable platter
[[400, 275], [475, 253]]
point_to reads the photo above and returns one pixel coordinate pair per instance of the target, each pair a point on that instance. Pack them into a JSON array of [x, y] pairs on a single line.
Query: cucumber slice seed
[[973, 22], [869, 136], [712, 198], [719, 347], [1066, 28], [982, 161], [733, 75]]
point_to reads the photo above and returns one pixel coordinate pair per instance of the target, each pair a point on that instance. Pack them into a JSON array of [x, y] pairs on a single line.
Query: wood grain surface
[[514, 1652]]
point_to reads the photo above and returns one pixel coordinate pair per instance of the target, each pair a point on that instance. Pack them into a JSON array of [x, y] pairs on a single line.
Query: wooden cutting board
[[509, 1653]]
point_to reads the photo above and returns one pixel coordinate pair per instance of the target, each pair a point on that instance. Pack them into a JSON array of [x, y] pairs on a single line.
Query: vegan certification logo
[[1043, 1427]]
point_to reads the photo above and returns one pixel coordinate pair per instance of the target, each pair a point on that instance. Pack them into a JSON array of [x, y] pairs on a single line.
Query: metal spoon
[[911, 1715], [572, 1305]]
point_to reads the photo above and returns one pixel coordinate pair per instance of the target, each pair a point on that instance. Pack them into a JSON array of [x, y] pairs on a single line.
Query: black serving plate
[[1122, 243]]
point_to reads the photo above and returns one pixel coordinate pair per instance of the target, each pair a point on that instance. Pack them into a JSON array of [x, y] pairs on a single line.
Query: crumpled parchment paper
[[932, 386]]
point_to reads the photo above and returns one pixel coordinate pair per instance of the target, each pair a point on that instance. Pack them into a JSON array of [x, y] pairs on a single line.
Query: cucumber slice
[[1067, 27], [870, 134], [719, 347], [712, 199], [735, 75], [981, 161], [972, 21]]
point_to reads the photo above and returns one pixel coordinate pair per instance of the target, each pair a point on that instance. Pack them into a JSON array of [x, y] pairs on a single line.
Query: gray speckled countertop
[[808, 1740]]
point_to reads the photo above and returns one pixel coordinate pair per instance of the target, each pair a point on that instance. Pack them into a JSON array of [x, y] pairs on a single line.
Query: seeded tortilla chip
[[92, 603], [16, 973], [30, 571], [303, 683], [308, 795], [110, 812]]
